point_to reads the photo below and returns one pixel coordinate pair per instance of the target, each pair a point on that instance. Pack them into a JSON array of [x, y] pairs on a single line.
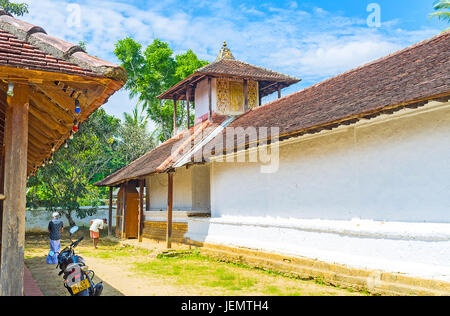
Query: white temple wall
[[190, 190], [202, 98], [372, 196]]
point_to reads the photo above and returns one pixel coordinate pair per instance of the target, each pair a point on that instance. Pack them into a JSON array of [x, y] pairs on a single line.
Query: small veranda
[[48, 87]]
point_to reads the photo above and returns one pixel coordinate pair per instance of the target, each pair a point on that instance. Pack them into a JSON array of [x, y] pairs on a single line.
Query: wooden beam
[[36, 76], [58, 96], [13, 226], [269, 86], [2, 191], [38, 142], [124, 209], [42, 133], [110, 211], [141, 210], [147, 196], [210, 99], [118, 208], [245, 95], [48, 120], [169, 210], [188, 105], [44, 103], [175, 117]]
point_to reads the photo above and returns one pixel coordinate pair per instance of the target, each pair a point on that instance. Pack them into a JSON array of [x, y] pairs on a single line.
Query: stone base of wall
[[375, 282], [158, 231]]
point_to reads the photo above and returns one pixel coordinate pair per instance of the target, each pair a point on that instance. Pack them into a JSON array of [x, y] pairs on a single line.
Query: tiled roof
[[163, 157], [55, 70], [238, 68], [26, 46], [408, 78], [227, 65]]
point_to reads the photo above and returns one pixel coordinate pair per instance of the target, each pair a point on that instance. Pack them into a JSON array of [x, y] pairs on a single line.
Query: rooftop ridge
[[71, 53], [374, 62]]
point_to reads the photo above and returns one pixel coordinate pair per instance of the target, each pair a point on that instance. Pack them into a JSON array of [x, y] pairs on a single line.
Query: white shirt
[[96, 225]]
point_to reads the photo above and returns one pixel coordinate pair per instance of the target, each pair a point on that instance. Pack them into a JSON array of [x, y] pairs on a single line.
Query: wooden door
[[132, 213]]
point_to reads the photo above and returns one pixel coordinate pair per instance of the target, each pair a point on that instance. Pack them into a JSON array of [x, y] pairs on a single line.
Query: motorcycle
[[78, 279]]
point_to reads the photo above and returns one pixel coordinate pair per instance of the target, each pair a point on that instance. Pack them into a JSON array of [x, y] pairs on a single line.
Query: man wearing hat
[[55, 228]]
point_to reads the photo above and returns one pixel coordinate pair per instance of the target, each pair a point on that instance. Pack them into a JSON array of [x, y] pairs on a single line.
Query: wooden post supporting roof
[[188, 105], [210, 99], [124, 210], [147, 195], [245, 95], [175, 132], [169, 210], [16, 148], [141, 210], [110, 211], [2, 196], [279, 91]]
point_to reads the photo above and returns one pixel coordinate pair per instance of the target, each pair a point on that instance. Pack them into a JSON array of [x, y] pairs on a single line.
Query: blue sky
[[312, 40]]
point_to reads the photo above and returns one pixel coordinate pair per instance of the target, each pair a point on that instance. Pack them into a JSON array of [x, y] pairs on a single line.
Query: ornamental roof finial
[[225, 53]]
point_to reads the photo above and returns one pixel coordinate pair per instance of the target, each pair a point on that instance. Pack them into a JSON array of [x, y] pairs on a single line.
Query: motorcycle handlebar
[[75, 244]]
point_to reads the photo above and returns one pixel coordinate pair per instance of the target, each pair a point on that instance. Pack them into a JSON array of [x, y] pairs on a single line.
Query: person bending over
[[96, 226]]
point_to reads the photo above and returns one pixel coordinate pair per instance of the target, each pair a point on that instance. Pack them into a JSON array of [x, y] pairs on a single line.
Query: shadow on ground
[[46, 275]]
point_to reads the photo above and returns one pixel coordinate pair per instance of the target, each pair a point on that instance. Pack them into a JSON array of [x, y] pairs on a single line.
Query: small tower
[[225, 53], [227, 86]]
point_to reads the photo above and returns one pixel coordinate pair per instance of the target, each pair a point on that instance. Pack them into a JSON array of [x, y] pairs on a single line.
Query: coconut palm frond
[[443, 16], [442, 5]]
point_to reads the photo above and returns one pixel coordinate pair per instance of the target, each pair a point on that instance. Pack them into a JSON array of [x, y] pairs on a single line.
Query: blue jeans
[[55, 248]]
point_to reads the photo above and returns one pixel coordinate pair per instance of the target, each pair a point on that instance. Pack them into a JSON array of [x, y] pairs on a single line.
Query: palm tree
[[442, 7], [136, 118]]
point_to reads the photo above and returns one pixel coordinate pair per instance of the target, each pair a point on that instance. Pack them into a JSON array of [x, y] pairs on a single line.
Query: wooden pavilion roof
[[57, 73], [227, 66]]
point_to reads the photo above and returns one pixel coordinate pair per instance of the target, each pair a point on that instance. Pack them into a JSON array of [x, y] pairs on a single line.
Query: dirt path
[[129, 282]]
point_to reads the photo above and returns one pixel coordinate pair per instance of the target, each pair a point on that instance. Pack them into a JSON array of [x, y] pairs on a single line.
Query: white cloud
[[312, 45]]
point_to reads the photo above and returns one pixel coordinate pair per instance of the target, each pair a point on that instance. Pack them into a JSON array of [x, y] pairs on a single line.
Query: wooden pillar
[[110, 211], [169, 210], [16, 148], [2, 192], [141, 210], [124, 210], [175, 117], [117, 215], [279, 91], [147, 196], [245, 95], [188, 105], [210, 98]]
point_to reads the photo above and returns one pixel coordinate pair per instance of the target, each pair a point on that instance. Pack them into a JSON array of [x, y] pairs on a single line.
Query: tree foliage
[[135, 140], [66, 183], [18, 9], [153, 71], [443, 10], [103, 145]]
